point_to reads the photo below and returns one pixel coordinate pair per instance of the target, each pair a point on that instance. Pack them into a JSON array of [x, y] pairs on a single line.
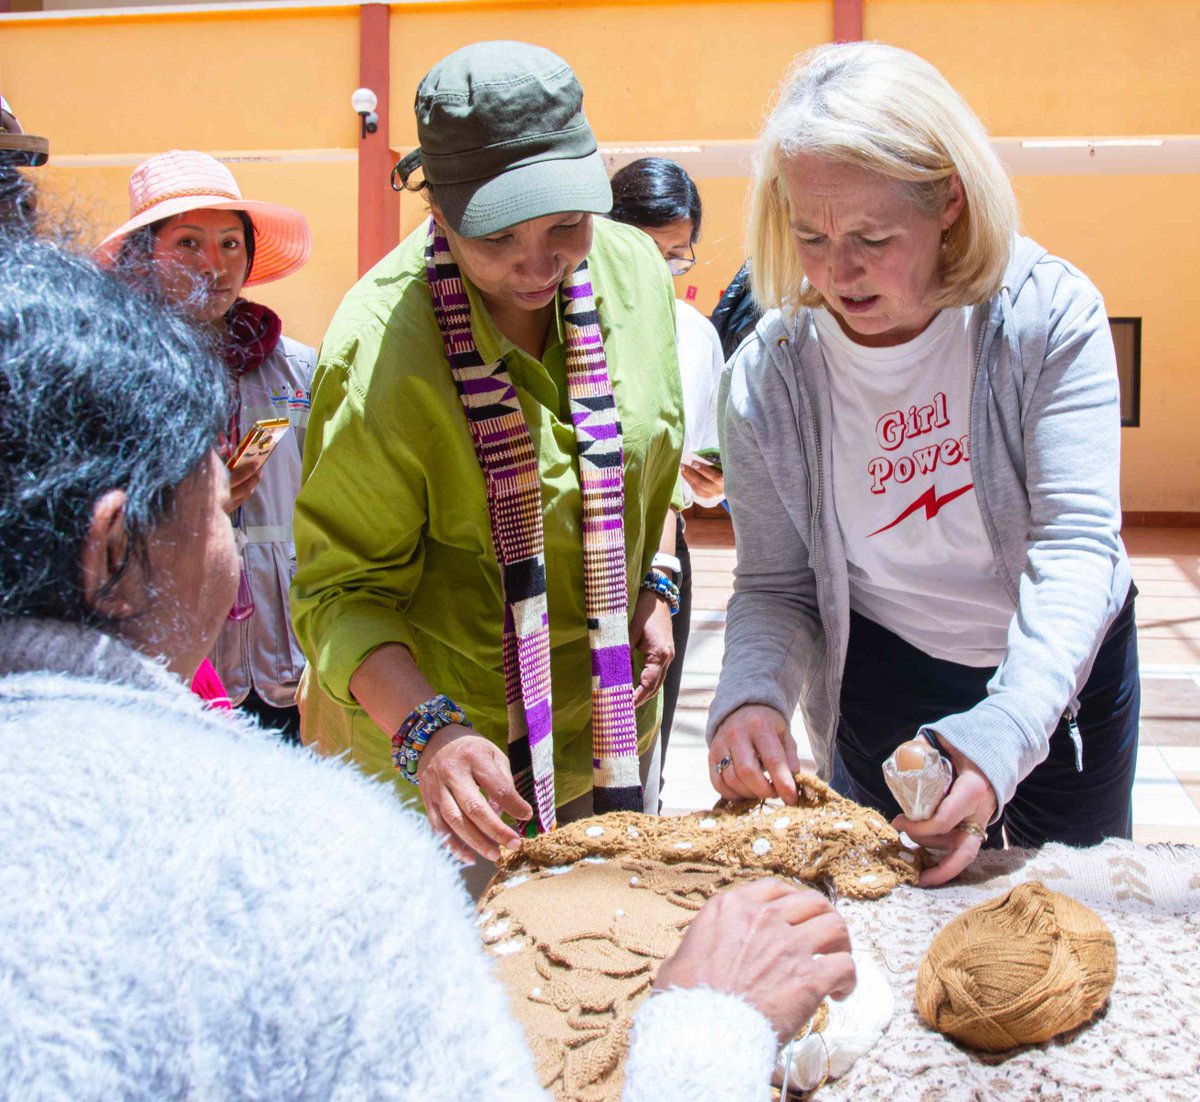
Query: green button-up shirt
[[393, 542]]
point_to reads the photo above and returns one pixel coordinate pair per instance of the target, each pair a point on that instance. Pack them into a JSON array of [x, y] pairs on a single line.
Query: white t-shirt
[[700, 365], [919, 559]]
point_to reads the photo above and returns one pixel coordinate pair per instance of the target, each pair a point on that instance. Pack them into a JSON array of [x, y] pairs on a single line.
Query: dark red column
[[847, 20], [378, 205]]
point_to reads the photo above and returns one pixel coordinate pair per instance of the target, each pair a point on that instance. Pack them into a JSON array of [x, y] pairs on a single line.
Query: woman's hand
[[753, 740], [781, 948], [705, 480], [970, 800], [243, 482], [454, 766], [650, 633]]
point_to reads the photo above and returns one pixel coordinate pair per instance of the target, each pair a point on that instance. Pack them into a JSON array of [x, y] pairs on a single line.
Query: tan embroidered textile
[[579, 920], [827, 839]]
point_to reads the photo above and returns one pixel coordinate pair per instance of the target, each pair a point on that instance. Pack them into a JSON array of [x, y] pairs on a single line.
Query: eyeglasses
[[678, 265]]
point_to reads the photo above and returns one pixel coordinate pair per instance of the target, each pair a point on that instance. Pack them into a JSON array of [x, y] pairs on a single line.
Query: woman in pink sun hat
[[192, 240]]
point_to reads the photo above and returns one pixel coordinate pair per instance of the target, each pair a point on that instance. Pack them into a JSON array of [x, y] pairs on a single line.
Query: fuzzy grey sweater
[[190, 910], [1045, 440]]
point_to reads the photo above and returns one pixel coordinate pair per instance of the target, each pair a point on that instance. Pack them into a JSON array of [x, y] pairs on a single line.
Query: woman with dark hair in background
[[172, 925], [660, 198], [192, 239]]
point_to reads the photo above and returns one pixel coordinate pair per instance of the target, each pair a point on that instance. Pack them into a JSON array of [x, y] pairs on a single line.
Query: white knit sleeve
[[699, 1044]]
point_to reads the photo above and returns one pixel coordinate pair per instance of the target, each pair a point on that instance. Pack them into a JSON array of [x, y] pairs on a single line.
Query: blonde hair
[[891, 112]]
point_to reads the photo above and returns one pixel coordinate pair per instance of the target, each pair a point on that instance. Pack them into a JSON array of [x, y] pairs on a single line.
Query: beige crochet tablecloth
[[578, 919], [1145, 1046]]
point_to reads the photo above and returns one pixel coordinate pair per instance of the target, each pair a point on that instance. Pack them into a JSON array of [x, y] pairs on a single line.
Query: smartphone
[[711, 456], [258, 443]]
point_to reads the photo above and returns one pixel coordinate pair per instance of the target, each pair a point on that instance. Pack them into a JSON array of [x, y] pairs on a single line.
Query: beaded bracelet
[[418, 727], [662, 586]]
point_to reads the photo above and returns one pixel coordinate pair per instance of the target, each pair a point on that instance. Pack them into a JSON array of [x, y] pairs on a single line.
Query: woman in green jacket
[[472, 574]]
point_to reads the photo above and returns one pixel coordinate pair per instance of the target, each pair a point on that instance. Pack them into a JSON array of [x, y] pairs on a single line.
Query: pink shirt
[[207, 686]]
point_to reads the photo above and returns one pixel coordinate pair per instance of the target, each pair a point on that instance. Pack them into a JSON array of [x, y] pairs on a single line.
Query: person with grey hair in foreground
[[172, 924]]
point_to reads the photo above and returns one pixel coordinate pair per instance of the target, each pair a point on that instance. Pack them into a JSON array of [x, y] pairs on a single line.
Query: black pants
[[681, 627], [890, 689], [284, 721]]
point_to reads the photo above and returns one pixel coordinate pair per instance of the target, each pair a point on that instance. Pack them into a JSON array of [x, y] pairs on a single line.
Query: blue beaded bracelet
[[418, 727], [662, 586]]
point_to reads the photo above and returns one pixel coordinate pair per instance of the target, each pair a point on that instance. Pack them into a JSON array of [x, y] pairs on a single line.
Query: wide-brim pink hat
[[182, 180]]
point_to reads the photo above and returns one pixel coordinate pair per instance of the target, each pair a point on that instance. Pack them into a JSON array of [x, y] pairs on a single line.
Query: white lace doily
[[1144, 1047]]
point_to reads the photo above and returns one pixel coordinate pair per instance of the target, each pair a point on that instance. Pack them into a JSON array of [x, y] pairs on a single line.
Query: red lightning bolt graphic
[[930, 501]]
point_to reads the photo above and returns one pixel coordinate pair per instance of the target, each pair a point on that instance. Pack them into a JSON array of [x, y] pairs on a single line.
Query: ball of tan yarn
[[1016, 970]]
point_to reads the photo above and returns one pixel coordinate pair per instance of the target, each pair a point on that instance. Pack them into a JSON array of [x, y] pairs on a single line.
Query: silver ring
[[723, 764]]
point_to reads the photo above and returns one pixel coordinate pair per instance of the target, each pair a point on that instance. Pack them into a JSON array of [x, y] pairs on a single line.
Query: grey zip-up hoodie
[[1044, 440]]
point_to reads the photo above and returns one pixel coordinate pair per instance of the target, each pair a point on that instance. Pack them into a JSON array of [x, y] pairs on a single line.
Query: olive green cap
[[503, 139]]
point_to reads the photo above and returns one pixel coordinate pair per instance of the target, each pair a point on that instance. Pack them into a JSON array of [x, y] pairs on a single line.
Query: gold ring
[[723, 764], [969, 826]]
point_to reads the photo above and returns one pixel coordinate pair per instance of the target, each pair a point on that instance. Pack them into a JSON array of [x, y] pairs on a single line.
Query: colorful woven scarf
[[509, 464]]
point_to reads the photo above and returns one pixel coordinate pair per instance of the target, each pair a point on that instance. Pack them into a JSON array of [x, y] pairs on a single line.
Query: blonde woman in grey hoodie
[[919, 446]]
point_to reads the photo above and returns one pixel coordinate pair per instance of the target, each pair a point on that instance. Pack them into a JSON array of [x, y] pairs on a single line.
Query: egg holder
[[918, 776]]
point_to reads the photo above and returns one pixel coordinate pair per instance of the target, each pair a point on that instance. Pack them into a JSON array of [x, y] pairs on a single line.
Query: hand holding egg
[[955, 820]]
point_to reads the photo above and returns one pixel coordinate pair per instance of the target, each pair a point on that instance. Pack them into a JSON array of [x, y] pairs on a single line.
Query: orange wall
[[1135, 237], [220, 80], [1031, 67], [142, 84], [650, 71], [657, 71]]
